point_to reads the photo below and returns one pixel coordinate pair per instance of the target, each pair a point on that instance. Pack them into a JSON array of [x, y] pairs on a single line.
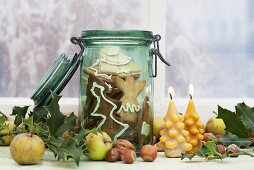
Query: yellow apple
[[27, 149], [7, 130], [215, 126], [157, 125], [98, 145]]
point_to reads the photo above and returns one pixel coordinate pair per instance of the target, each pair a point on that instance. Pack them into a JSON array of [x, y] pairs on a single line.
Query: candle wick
[[170, 96], [190, 96]]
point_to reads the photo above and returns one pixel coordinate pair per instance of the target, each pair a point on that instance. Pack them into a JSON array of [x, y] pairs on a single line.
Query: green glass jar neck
[[119, 38]]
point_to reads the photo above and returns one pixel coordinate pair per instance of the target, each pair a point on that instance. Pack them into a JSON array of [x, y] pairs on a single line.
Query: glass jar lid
[[55, 79], [57, 76]]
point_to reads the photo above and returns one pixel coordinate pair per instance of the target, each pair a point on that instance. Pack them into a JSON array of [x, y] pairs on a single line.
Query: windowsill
[[204, 107], [161, 163]]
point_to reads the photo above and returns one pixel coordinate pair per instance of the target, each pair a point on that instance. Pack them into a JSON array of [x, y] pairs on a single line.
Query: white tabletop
[[161, 163]]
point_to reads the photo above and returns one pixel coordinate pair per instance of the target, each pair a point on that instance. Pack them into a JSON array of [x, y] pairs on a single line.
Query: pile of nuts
[[231, 149], [125, 151]]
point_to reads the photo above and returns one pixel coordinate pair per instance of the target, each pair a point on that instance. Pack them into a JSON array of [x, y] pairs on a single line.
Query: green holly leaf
[[68, 148], [233, 123], [209, 150], [2, 120], [229, 138], [19, 113], [71, 150], [69, 123], [57, 142], [55, 118], [211, 146], [39, 114], [80, 137], [53, 144], [246, 114], [30, 124], [2, 140], [188, 156], [38, 129], [203, 151], [2, 126]]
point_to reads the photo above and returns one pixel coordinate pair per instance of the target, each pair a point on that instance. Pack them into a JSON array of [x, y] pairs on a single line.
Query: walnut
[[122, 145]]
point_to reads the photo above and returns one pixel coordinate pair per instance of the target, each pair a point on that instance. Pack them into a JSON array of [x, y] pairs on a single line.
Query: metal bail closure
[[57, 76], [156, 53]]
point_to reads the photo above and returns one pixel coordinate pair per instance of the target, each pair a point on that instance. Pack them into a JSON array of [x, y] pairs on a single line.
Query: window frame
[[157, 23]]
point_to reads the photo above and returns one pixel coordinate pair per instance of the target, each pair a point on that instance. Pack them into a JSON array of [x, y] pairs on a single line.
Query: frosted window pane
[[33, 33], [210, 44]]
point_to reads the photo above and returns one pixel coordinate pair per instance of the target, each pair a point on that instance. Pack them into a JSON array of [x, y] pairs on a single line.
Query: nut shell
[[221, 148], [122, 145], [233, 148], [148, 153], [129, 156], [113, 155]]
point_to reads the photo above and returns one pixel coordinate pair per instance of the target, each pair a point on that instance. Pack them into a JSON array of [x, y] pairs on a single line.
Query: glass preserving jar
[[116, 84]]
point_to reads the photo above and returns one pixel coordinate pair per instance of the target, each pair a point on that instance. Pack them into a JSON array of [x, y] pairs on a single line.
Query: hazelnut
[[67, 134], [221, 148], [208, 136], [251, 135], [233, 148], [217, 136], [113, 155], [148, 153], [128, 156], [122, 145]]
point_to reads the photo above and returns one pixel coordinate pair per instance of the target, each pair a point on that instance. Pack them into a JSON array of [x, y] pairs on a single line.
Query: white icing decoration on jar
[[97, 72], [129, 108], [112, 56], [94, 112], [123, 71], [109, 85], [117, 60], [110, 50]]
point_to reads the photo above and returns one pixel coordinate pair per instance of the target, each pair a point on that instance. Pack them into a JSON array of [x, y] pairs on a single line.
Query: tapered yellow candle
[[193, 124]]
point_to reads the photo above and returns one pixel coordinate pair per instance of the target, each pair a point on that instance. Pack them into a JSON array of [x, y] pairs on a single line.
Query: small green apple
[[9, 129], [98, 145], [27, 149], [215, 126]]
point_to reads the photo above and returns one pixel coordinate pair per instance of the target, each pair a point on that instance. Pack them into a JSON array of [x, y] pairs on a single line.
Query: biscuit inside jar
[[114, 86]]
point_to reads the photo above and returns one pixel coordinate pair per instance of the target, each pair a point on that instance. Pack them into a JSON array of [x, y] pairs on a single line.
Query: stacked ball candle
[[174, 138], [193, 124]]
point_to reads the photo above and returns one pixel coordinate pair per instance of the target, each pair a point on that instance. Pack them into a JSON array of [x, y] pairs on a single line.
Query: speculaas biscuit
[[104, 69], [131, 88], [145, 119], [101, 109], [115, 94], [106, 78]]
